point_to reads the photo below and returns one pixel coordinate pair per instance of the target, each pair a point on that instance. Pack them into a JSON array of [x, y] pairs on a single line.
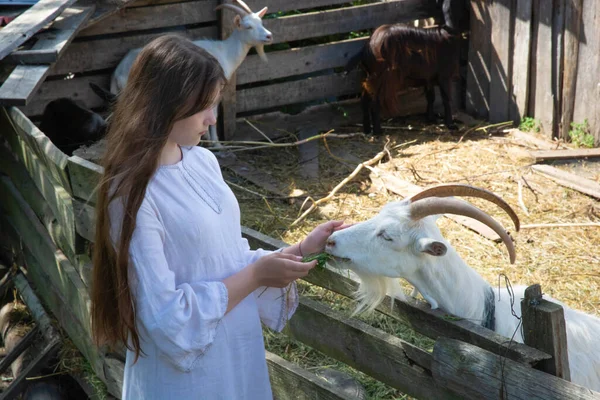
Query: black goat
[[70, 125]]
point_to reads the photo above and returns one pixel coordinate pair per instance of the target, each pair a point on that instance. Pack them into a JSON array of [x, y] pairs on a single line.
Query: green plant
[[529, 124], [580, 134]]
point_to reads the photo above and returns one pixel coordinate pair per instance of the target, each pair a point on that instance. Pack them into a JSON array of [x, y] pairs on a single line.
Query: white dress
[[186, 241]]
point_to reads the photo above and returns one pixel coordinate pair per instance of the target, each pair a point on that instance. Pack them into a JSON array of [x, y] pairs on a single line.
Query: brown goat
[[398, 57]]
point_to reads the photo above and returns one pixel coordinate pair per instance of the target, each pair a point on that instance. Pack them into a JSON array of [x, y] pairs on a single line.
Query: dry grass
[[565, 261]]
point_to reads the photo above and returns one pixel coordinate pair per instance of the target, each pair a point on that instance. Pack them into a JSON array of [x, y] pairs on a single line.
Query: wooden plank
[[370, 350], [567, 179], [544, 328], [51, 43], [533, 140], [228, 106], [57, 198], [572, 29], [551, 155], [406, 189], [54, 159], [37, 241], [85, 219], [141, 18], [478, 374], [85, 176], [114, 371], [104, 8], [109, 52], [587, 90], [541, 96], [21, 84], [520, 61], [279, 94], [558, 21], [341, 20], [500, 82], [298, 61], [419, 315], [478, 69], [19, 30], [290, 382], [26, 186], [286, 5], [322, 117]]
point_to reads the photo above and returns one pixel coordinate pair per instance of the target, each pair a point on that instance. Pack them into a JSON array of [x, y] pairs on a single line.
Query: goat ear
[[431, 247], [262, 12], [237, 21]]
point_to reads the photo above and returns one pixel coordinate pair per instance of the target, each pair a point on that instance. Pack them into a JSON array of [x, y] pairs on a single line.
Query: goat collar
[[489, 311]]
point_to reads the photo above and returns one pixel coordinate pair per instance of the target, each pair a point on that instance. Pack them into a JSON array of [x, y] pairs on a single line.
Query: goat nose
[[331, 243], [269, 36]]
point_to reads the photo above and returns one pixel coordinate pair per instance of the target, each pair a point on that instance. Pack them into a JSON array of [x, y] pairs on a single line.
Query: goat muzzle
[[437, 205]]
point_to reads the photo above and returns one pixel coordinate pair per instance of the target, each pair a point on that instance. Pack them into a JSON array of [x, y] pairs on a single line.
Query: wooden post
[[570, 61], [227, 109], [544, 329], [478, 72]]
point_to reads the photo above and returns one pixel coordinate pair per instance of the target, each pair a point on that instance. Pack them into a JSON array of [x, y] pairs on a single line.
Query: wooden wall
[[315, 45], [543, 62]]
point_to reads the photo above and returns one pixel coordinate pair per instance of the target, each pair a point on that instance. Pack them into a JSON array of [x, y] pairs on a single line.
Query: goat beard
[[260, 49]]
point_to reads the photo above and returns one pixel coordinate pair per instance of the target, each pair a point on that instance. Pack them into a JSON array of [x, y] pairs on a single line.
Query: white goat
[[403, 241], [249, 32]]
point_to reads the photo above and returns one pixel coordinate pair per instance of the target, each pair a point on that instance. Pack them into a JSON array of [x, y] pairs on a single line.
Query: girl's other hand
[[279, 269]]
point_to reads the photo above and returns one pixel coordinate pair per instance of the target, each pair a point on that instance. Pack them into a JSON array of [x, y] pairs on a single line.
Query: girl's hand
[[280, 269], [316, 240]]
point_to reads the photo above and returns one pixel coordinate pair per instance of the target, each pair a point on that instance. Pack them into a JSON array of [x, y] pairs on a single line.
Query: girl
[[173, 278]]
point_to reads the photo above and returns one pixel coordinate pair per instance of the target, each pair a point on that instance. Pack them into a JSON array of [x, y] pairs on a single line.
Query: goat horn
[[243, 5], [232, 7], [471, 191], [432, 206]]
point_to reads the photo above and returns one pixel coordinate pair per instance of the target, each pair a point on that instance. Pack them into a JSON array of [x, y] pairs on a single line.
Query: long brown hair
[[171, 79]]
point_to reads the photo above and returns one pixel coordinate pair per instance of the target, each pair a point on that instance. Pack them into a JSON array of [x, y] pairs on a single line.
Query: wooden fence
[[536, 58], [46, 204], [314, 45]]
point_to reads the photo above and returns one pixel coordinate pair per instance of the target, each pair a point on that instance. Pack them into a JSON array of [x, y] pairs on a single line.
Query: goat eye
[[249, 27], [385, 236]]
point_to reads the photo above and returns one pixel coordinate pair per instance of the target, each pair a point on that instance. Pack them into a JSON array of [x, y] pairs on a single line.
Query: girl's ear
[[237, 21]]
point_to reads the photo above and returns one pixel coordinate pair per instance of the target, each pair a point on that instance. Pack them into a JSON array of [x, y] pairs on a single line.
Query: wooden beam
[[544, 328], [551, 155], [21, 84], [477, 374], [478, 72], [228, 106], [298, 61], [520, 61], [290, 382], [374, 352], [567, 179], [572, 30], [21, 346], [51, 43], [341, 20], [19, 30], [132, 19], [299, 91], [500, 82], [85, 177], [541, 96], [35, 307], [419, 315]]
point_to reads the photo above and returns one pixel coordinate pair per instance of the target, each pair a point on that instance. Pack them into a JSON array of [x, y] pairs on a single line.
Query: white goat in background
[[403, 241], [249, 32]]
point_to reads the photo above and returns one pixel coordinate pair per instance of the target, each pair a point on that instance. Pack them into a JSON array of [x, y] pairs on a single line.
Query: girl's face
[[189, 131]]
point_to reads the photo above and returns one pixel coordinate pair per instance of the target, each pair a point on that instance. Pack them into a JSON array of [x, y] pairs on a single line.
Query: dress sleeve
[[181, 320], [275, 305]]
